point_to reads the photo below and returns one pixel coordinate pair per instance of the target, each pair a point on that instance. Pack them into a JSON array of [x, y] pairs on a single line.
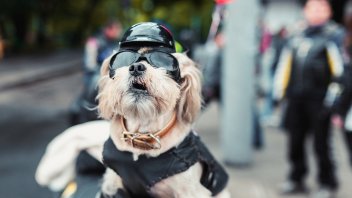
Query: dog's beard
[[143, 97]]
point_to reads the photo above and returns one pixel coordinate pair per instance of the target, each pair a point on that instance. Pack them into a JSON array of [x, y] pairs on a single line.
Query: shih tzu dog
[[151, 95]]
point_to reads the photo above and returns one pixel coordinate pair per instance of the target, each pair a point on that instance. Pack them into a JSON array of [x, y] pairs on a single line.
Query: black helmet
[[149, 33]]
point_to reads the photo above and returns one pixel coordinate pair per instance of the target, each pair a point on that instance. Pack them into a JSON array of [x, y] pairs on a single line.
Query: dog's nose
[[137, 69]]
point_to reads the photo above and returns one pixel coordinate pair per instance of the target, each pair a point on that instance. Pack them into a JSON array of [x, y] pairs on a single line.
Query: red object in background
[[221, 2], [265, 41]]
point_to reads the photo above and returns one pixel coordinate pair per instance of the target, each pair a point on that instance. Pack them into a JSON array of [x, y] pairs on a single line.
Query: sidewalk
[[23, 70], [269, 167]]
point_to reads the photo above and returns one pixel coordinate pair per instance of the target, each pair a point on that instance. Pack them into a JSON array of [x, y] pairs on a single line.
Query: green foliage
[[65, 23]]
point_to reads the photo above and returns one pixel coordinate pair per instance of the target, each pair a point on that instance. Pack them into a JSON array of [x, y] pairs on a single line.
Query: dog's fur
[[152, 112]]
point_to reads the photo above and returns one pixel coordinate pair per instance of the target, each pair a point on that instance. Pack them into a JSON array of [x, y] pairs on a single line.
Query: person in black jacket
[[308, 77], [97, 48]]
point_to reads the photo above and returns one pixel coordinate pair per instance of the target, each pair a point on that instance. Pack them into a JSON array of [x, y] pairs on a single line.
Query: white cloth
[[57, 166]]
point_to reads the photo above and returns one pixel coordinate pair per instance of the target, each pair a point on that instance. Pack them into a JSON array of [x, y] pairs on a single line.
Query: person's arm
[[282, 74], [337, 64], [90, 55], [345, 99]]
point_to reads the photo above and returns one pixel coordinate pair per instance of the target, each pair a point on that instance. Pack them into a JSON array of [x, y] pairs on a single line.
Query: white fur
[[152, 113], [111, 183]]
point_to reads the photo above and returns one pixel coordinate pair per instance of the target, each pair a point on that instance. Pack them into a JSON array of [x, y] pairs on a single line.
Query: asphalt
[[28, 69], [260, 179]]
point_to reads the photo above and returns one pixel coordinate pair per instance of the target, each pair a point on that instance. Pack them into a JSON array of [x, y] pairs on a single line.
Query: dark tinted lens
[[160, 59], [124, 59]]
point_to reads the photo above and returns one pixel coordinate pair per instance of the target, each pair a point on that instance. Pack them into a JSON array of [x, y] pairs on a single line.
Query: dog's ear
[[190, 100], [105, 106]]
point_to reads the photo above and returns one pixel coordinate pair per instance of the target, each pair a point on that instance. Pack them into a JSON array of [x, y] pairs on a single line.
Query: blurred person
[[347, 20], [278, 42], [265, 40], [343, 116], [97, 48], [211, 62], [100, 46], [307, 76], [209, 55], [269, 64]]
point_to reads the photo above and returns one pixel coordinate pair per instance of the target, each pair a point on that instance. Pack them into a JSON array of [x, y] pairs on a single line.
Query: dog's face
[[146, 89]]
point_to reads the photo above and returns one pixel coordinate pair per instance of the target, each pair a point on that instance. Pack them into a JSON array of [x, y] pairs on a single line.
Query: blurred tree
[[19, 15], [42, 24]]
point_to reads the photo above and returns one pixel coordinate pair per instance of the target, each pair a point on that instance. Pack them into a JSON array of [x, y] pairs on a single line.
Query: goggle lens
[[157, 59], [160, 59], [122, 59]]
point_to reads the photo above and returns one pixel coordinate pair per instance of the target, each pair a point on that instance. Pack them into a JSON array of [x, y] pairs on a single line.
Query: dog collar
[[146, 141]]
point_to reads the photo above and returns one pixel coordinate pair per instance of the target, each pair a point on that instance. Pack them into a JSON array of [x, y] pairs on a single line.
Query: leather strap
[[146, 141]]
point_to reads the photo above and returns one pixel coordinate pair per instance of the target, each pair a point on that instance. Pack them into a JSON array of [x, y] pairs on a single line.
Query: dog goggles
[[158, 59]]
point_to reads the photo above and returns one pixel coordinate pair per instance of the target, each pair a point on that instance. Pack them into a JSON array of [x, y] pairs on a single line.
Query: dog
[[151, 110]]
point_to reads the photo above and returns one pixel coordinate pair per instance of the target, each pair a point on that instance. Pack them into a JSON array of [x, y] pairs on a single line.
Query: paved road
[[30, 117]]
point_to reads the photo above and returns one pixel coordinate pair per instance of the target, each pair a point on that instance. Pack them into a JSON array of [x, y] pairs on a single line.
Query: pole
[[238, 82]]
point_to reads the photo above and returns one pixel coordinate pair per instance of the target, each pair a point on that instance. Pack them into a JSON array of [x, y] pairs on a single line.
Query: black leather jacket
[[139, 176], [313, 57]]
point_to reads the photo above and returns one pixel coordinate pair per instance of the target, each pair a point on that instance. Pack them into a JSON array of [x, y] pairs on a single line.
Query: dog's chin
[[139, 103], [143, 104]]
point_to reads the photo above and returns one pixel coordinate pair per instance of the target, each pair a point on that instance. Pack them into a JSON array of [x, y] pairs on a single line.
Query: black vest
[[139, 176]]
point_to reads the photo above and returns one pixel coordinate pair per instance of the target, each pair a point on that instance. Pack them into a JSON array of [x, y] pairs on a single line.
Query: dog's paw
[[111, 183]]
